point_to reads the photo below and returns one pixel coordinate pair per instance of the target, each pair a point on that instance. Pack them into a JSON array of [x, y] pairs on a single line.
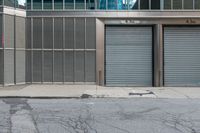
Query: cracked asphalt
[[137, 115]]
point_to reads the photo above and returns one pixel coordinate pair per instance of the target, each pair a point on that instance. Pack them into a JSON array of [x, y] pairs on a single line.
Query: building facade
[[103, 42]]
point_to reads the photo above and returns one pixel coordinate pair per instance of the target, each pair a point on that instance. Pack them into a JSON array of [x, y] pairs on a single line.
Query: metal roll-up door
[[182, 56], [128, 59]]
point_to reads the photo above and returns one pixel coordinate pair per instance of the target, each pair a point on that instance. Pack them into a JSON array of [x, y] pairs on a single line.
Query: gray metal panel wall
[[37, 33], [69, 66], [9, 31], [28, 33], [20, 32], [182, 56], [1, 52], [28, 66], [20, 66], [48, 33], [90, 33], [58, 33], [48, 66], [37, 66], [1, 30], [197, 4], [20, 54], [177, 4], [80, 33], [69, 33], [188, 4], [167, 4], [9, 66], [14, 44], [58, 66], [90, 65], [79, 66], [1, 67], [68, 53], [128, 56]]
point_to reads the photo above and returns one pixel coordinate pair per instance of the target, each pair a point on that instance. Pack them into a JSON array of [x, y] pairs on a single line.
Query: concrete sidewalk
[[78, 91]]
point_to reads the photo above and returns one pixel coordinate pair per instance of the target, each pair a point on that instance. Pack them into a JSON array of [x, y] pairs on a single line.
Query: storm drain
[[140, 93]]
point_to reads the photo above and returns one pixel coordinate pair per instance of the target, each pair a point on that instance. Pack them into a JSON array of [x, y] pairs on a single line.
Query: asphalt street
[[136, 115]]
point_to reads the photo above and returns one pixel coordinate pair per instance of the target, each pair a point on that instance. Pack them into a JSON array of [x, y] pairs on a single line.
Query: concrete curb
[[40, 97], [93, 91]]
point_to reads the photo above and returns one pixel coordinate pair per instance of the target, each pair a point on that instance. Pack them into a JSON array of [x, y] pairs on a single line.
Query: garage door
[[128, 59], [182, 56]]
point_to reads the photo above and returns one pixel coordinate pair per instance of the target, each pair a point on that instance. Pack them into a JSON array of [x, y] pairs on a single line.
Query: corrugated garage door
[[128, 56], [182, 56]]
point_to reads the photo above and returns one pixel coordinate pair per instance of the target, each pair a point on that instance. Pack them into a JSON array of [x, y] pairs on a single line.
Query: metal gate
[[128, 59], [182, 56]]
